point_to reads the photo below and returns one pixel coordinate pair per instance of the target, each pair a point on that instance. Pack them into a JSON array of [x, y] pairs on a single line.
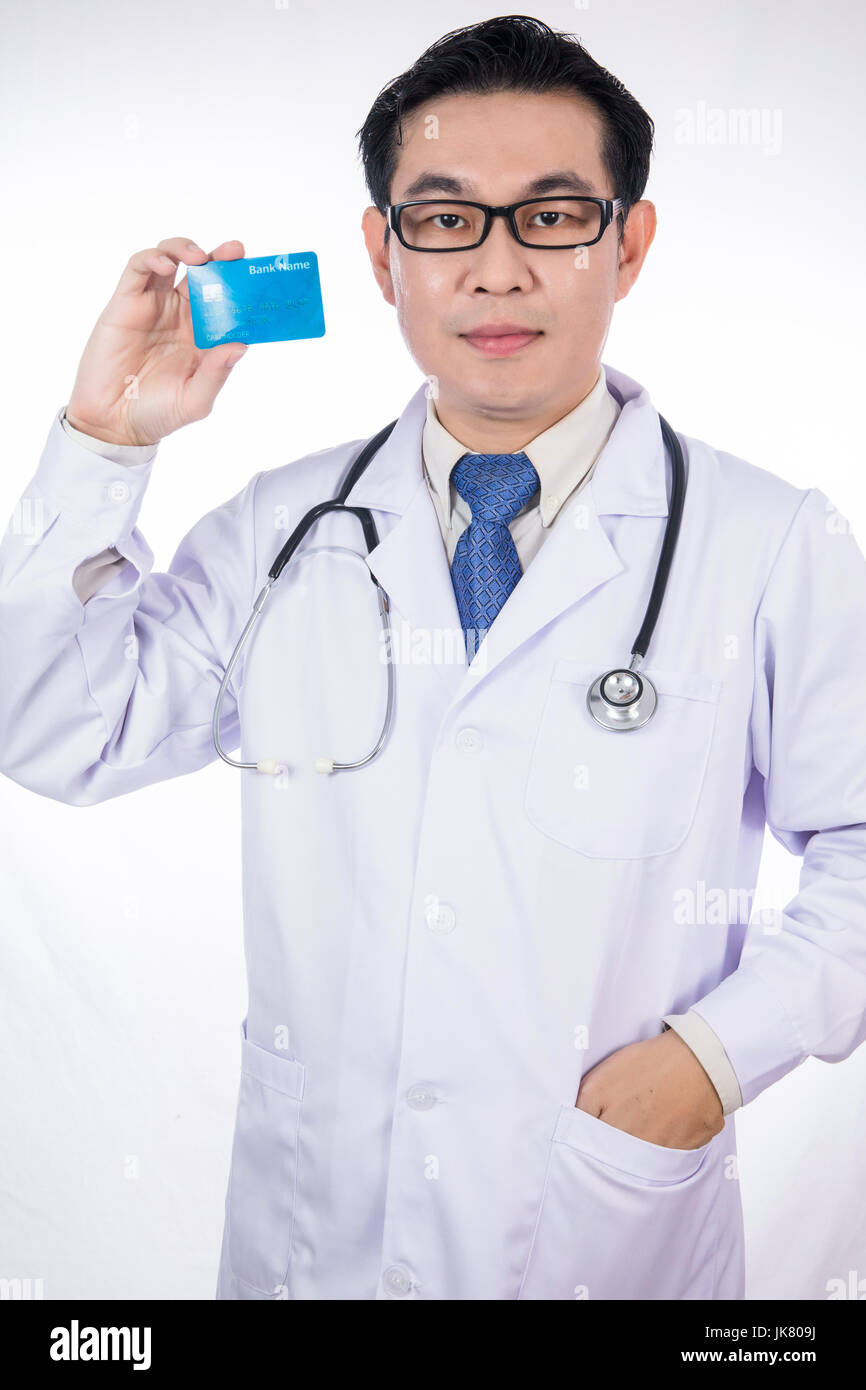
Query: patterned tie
[[486, 566]]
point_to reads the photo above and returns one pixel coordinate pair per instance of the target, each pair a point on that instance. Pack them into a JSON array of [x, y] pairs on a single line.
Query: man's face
[[492, 149]]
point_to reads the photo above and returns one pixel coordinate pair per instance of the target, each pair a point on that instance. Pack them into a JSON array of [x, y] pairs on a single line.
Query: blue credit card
[[266, 299]]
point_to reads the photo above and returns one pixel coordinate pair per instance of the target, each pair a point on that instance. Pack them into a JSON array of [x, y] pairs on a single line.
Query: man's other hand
[[656, 1090]]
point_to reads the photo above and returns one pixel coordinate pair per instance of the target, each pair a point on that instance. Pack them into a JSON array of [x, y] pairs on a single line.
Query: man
[[458, 1078]]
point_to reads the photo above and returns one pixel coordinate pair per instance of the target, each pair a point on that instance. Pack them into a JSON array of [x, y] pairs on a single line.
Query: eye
[[451, 219], [550, 212]]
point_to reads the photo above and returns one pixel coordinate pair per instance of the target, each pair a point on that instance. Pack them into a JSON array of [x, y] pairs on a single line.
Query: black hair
[[510, 53]]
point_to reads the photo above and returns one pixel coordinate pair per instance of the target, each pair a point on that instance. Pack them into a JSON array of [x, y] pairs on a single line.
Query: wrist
[[105, 436]]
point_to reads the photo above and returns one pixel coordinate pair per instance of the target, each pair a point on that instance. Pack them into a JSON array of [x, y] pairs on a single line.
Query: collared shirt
[[564, 457]]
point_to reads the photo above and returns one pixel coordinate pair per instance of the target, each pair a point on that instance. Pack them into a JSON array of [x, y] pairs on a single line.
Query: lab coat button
[[469, 741], [440, 916], [420, 1097], [397, 1280], [119, 491]]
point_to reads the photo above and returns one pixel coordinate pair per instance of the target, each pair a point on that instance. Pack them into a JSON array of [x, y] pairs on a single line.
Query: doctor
[[457, 1075]]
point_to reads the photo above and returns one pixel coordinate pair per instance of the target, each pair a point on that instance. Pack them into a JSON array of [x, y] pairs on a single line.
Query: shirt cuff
[[697, 1034], [127, 454]]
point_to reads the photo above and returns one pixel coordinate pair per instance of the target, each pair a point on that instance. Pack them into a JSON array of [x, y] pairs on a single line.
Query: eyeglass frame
[[609, 209]]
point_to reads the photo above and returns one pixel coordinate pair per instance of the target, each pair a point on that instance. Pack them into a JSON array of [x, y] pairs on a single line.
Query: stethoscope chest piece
[[621, 699]]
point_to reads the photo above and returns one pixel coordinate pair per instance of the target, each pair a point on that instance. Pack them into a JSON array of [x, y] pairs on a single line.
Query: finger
[[160, 261], [226, 251], [142, 267], [183, 249], [209, 377], [584, 1102]]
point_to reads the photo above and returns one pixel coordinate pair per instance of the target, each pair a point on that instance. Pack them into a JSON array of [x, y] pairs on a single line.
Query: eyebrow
[[432, 181]]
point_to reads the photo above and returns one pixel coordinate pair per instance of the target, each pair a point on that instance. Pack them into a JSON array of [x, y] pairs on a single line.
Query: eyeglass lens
[[444, 226]]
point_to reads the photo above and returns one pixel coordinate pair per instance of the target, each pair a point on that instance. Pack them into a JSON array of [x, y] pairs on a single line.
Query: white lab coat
[[441, 944]]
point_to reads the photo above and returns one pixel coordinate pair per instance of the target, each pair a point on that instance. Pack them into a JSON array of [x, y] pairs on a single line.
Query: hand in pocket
[[656, 1090]]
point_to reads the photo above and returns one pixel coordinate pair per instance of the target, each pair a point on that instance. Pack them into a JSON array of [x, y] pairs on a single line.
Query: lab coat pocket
[[261, 1202], [614, 794], [620, 1217]]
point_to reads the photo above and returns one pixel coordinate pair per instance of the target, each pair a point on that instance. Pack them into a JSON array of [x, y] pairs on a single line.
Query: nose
[[500, 263]]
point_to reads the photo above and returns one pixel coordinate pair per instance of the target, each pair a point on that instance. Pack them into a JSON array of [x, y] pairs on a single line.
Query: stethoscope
[[619, 699]]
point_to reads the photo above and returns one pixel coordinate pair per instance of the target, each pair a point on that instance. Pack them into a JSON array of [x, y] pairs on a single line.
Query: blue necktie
[[486, 566]]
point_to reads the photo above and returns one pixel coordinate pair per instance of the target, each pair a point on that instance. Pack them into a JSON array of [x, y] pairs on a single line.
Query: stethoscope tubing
[[625, 713]]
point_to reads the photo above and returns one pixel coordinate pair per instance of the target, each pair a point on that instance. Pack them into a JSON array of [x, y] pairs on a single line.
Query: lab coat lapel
[[576, 557], [410, 561]]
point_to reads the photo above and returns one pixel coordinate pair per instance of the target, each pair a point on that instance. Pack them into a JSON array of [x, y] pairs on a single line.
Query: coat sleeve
[[96, 570], [102, 697], [800, 988]]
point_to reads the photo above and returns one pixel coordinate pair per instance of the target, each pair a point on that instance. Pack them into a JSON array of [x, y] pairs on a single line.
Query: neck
[[485, 432]]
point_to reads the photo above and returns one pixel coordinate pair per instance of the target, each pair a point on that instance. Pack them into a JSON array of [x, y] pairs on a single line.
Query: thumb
[[210, 376]]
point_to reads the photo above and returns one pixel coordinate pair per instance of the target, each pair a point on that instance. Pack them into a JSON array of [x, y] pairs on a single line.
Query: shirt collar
[[563, 455]]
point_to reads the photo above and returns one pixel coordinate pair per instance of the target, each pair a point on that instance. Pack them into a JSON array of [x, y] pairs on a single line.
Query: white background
[[121, 960]]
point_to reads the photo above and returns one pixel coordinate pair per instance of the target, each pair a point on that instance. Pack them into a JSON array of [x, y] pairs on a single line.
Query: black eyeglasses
[[431, 224]]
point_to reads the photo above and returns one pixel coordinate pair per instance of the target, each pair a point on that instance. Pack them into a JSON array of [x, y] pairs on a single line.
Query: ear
[[640, 228], [374, 226]]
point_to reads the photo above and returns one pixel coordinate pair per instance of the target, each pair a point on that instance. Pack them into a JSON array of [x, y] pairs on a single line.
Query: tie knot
[[496, 486]]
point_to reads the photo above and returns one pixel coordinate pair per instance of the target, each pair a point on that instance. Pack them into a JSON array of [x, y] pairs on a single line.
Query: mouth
[[501, 339]]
